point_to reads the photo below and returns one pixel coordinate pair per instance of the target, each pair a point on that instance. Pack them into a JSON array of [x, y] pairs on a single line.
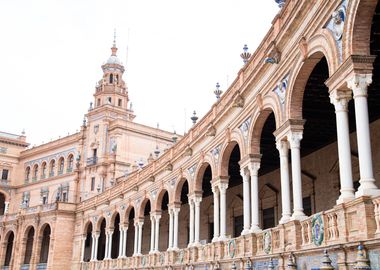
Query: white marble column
[[246, 202], [197, 203], [359, 85], [152, 232], [106, 247], [124, 244], [254, 167], [121, 240], [295, 145], [110, 244], [157, 234], [95, 242], [283, 149], [135, 243], [191, 221], [140, 225], [171, 225], [215, 191], [223, 210], [175, 233], [340, 102]]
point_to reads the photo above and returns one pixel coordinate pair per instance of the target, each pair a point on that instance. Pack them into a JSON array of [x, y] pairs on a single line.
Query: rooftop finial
[[114, 37], [114, 48]]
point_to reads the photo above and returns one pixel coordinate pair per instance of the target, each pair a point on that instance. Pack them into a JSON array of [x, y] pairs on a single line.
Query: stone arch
[[99, 223], [6, 195], [300, 77], [112, 219], [178, 188], [225, 156], [201, 168], [258, 122], [141, 209], [86, 225], [9, 240], [158, 202], [357, 30], [127, 212]]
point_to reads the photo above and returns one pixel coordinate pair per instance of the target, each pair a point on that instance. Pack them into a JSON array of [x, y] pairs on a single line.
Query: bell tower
[[111, 91]]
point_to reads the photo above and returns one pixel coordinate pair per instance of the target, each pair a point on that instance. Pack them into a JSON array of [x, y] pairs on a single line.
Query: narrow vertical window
[[111, 78], [119, 102], [92, 183]]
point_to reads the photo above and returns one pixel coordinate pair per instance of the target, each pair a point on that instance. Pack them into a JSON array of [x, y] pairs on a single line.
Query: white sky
[[51, 52]]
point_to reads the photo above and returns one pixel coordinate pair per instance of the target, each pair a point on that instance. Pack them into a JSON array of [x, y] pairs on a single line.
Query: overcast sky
[[51, 52]]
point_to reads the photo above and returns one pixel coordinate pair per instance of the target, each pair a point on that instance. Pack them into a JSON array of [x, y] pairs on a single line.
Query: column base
[[93, 260], [137, 254], [343, 198], [174, 249], [215, 239], [190, 245], [223, 238], [196, 244], [245, 232], [122, 257], [285, 218], [298, 215], [255, 229], [367, 188]]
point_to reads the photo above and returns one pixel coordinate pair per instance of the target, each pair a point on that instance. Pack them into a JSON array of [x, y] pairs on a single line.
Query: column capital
[[359, 83], [340, 100], [254, 167], [294, 138], [138, 220], [282, 147], [222, 186], [244, 172]]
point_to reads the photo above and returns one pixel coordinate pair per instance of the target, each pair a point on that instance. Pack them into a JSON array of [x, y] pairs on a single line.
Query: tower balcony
[[92, 161]]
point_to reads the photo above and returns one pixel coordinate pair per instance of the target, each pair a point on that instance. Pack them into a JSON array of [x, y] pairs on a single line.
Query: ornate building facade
[[285, 165]]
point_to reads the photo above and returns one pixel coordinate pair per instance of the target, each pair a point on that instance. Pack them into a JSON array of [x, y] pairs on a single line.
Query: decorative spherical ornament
[[245, 54], [194, 118], [217, 91]]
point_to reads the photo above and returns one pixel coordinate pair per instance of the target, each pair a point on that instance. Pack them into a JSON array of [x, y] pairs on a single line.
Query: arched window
[[43, 170], [27, 174], [111, 78], [2, 204], [70, 163], [8, 253], [61, 165], [52, 168], [29, 246], [35, 172], [45, 243]]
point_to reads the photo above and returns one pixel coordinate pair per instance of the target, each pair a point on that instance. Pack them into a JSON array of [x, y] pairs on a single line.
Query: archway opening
[[163, 242], [102, 241], [318, 146], [184, 231], [131, 233], [9, 249], [269, 177], [88, 244], [45, 244], [116, 237], [146, 229], [207, 215], [234, 194], [29, 245]]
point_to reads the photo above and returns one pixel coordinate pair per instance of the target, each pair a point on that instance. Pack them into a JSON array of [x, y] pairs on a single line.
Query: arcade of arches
[[285, 165]]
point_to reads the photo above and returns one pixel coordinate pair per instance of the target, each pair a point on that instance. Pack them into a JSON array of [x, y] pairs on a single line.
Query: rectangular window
[[44, 199], [307, 206], [268, 218], [119, 102], [4, 175], [238, 225], [92, 183], [95, 152], [64, 197]]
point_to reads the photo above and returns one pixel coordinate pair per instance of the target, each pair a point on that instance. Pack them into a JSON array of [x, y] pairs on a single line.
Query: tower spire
[[114, 48]]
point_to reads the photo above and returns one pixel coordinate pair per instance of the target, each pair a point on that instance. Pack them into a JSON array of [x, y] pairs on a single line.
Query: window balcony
[[51, 174], [92, 161], [43, 176], [69, 169], [4, 182], [60, 172], [34, 178]]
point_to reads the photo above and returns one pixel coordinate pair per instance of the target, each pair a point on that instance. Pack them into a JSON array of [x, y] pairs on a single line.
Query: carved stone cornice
[[355, 64]]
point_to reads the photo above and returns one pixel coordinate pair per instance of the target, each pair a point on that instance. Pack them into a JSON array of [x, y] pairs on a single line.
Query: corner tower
[[111, 91]]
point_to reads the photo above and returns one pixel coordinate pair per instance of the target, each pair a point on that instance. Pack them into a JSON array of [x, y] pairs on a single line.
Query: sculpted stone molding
[[238, 101], [211, 130]]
